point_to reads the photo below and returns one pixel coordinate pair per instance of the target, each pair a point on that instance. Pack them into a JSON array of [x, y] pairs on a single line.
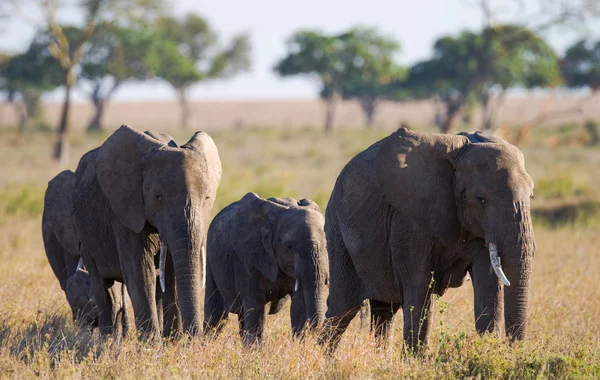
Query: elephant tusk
[[296, 285], [80, 265], [162, 263], [203, 266], [496, 264]]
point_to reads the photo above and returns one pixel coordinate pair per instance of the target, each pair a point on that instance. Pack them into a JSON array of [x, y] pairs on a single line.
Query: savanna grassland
[[37, 337]]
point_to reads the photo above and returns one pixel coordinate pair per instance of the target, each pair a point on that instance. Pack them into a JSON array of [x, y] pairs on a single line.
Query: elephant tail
[[215, 314]]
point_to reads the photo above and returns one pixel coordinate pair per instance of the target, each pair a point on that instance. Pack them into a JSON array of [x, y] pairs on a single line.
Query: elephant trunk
[[516, 253], [313, 284], [188, 260]]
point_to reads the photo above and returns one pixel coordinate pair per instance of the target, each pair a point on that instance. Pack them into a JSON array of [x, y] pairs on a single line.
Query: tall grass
[[38, 339]]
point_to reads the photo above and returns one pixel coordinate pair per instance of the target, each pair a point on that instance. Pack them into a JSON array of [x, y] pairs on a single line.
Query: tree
[[473, 67], [188, 52], [376, 76], [581, 65], [356, 61], [27, 76], [115, 54], [68, 48]]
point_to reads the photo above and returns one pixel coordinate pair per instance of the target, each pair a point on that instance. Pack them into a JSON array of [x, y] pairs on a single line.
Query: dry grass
[[37, 338]]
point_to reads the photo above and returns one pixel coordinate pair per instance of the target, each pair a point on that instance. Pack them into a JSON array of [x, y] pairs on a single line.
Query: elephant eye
[[481, 200], [158, 197], [532, 195]]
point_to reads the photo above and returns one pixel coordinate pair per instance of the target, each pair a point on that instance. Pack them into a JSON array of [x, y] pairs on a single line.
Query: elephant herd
[[408, 218]]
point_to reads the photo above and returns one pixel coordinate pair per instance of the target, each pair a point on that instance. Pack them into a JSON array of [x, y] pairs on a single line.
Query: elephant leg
[[119, 310], [137, 263], [382, 318], [253, 323], [417, 309], [365, 311], [215, 314], [488, 296], [104, 300], [171, 311], [158, 299], [345, 296]]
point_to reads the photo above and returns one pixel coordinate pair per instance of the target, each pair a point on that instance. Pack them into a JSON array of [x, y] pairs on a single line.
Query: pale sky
[[416, 24]]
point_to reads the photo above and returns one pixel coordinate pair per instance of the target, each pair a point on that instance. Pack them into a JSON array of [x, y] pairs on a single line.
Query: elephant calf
[[62, 249], [264, 250]]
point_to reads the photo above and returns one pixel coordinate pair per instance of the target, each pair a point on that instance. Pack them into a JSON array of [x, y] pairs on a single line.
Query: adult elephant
[[62, 250], [136, 192], [412, 214]]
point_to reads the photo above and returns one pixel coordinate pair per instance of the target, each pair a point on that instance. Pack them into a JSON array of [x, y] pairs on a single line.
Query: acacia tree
[[352, 64], [68, 48], [114, 55], [581, 65], [188, 51], [475, 66], [376, 77], [27, 76]]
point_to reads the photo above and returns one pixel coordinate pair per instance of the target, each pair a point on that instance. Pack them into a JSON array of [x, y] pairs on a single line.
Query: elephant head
[[282, 234], [80, 297], [149, 180], [448, 185]]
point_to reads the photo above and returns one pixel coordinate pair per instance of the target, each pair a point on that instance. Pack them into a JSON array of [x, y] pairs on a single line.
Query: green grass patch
[[560, 187], [580, 214], [22, 201]]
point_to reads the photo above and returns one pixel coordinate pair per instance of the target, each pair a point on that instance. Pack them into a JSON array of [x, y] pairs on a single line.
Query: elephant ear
[[252, 233], [119, 173], [416, 176]]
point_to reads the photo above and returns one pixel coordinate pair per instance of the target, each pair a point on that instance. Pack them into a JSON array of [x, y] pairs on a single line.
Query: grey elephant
[[412, 214], [266, 250], [62, 250], [141, 201]]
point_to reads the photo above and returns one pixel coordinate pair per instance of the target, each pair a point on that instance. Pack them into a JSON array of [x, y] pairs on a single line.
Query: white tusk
[[162, 262], [203, 266], [296, 285], [496, 264], [80, 265]]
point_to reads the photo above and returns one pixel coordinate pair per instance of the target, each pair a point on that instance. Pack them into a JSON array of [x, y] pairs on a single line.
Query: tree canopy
[[358, 63], [188, 51], [476, 65], [581, 65]]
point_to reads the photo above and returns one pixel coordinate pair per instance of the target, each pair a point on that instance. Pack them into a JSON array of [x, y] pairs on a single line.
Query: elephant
[[62, 250], [415, 212], [265, 250], [140, 202]]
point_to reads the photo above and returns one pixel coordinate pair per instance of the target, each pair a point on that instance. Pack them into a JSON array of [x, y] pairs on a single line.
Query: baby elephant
[[264, 250], [62, 249]]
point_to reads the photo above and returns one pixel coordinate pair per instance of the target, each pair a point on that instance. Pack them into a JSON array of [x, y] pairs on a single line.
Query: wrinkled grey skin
[[62, 250], [257, 249], [416, 203], [131, 192]]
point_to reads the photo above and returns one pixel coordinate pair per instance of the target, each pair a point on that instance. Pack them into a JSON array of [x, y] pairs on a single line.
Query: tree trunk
[[22, 116], [369, 106], [332, 102], [451, 116], [185, 107], [61, 150], [96, 122]]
